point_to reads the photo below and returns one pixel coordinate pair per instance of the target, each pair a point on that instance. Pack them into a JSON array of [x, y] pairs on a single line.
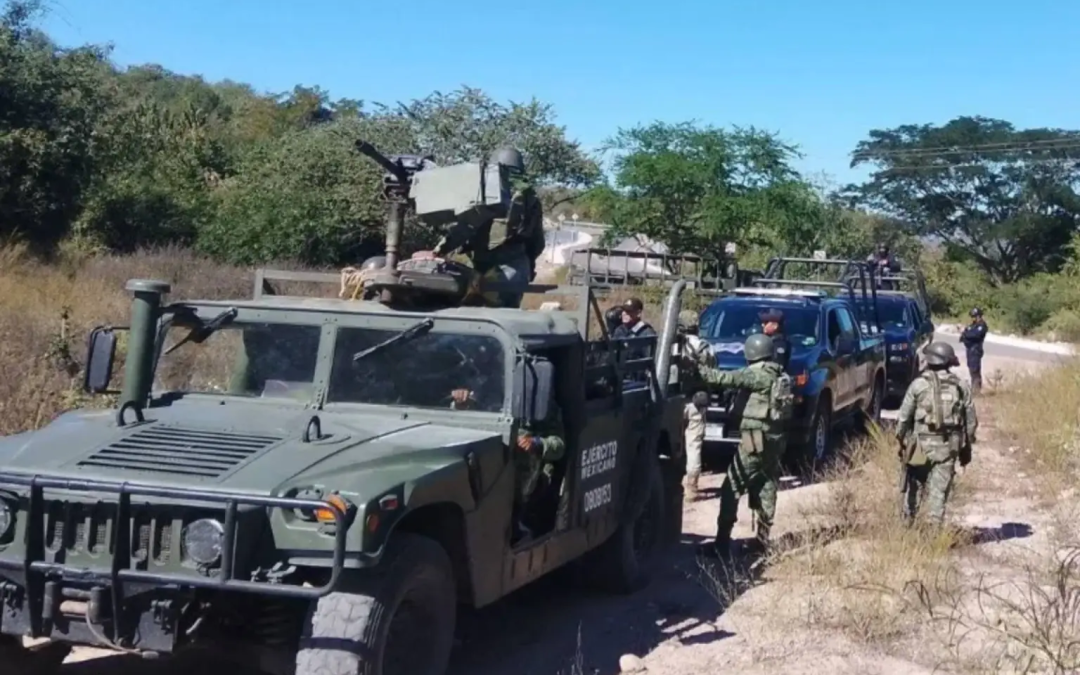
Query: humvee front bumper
[[53, 589]]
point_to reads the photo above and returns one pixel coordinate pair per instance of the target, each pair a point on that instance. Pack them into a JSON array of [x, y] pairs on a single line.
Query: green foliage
[[696, 188], [1001, 198], [144, 157]]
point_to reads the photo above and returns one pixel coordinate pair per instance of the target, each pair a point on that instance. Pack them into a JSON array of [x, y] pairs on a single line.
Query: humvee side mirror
[[533, 386], [100, 356]]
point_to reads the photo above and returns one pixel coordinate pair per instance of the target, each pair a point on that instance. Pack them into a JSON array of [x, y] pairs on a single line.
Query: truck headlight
[[203, 539]]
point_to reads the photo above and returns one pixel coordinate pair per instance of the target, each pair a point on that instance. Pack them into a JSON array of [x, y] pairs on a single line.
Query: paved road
[[1000, 351]]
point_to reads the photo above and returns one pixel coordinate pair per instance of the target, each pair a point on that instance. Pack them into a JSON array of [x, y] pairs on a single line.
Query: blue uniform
[[972, 338]]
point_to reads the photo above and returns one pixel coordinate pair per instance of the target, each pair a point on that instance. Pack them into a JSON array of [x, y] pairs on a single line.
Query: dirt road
[[675, 625]]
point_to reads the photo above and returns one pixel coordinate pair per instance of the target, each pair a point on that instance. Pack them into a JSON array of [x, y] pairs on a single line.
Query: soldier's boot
[[691, 494], [761, 537], [720, 548]]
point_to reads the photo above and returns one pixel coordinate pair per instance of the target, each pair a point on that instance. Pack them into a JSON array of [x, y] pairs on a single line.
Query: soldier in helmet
[[755, 470], [972, 338], [502, 249], [936, 426], [695, 351]]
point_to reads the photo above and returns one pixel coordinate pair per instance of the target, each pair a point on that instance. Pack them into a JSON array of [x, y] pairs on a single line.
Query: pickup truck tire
[[877, 401], [372, 628], [816, 452], [624, 563], [44, 659]]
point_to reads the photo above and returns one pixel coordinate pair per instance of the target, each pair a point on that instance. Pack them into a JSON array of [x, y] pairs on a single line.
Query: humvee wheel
[[374, 625], [624, 563], [43, 659]]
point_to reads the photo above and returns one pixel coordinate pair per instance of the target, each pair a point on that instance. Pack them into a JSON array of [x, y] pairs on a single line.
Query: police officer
[[972, 338], [696, 351], [772, 324], [634, 326], [502, 249], [936, 426], [755, 470]]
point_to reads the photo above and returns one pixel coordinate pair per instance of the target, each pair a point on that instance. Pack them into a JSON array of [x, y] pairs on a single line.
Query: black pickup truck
[[837, 363]]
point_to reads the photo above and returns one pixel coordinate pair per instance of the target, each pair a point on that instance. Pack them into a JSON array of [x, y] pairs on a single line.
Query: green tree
[[53, 102], [1003, 198], [696, 188]]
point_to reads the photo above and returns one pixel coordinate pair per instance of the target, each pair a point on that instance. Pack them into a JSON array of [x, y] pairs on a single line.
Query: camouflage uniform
[[936, 426], [548, 447], [503, 250], [696, 352], [755, 469]]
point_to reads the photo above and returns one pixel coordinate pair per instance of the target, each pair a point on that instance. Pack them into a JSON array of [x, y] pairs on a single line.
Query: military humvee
[[286, 474]]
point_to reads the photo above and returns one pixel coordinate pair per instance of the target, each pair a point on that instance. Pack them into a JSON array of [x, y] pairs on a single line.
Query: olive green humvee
[[287, 474]]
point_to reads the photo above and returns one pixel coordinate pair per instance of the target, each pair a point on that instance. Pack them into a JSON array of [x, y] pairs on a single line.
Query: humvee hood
[[244, 447]]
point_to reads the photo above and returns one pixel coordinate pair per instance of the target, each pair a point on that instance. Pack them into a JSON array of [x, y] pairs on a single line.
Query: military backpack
[[781, 399]]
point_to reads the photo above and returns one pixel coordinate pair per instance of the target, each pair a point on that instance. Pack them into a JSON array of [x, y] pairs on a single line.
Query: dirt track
[[675, 625]]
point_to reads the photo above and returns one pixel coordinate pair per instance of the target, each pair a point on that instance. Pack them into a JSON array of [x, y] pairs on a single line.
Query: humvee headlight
[[203, 539], [7, 517]]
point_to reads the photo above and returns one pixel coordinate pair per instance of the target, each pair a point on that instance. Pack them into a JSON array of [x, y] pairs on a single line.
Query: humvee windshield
[[272, 360], [419, 373], [243, 359]]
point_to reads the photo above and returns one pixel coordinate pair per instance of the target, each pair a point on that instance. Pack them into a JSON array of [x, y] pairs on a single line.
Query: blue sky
[[819, 73]]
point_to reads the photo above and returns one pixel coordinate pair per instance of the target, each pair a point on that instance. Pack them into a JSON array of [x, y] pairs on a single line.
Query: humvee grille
[[83, 528], [178, 451]]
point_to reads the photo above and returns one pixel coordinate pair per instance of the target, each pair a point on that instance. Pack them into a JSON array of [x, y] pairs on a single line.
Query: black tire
[[625, 562], [877, 402], [43, 659], [815, 454], [362, 630]]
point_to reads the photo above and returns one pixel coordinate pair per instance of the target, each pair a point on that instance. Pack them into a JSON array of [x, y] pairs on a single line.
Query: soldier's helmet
[[688, 319], [758, 347], [509, 157], [373, 263], [976, 312], [939, 354]]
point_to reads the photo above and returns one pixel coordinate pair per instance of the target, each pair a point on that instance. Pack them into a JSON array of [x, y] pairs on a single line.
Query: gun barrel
[[394, 169]]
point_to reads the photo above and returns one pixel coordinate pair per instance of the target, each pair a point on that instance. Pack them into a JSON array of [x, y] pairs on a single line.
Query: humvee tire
[[348, 632], [624, 564], [43, 659]]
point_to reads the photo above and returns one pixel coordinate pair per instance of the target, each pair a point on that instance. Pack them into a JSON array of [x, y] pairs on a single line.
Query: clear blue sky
[[819, 73]]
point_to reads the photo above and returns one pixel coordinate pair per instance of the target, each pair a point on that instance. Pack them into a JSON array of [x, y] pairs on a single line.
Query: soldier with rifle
[[936, 427], [504, 250]]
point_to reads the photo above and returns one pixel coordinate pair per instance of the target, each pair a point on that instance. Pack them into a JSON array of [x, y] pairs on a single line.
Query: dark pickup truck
[[904, 310], [837, 358]]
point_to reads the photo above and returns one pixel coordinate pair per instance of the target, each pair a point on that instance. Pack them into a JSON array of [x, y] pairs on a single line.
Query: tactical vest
[[758, 403], [520, 226], [781, 399]]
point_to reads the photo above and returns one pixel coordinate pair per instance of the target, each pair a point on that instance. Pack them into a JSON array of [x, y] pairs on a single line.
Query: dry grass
[[1040, 414], [932, 597], [46, 311]]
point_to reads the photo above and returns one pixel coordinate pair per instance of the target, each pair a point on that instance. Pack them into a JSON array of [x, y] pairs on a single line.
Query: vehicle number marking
[[597, 497], [599, 459]]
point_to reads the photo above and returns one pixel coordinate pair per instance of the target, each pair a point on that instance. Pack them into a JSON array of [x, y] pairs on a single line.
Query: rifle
[[907, 449]]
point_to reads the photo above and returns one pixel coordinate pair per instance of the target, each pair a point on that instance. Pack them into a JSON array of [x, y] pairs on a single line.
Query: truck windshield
[[423, 372], [734, 322], [243, 359]]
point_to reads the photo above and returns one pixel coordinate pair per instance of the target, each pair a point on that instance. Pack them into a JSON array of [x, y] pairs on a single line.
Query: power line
[[1046, 145]]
